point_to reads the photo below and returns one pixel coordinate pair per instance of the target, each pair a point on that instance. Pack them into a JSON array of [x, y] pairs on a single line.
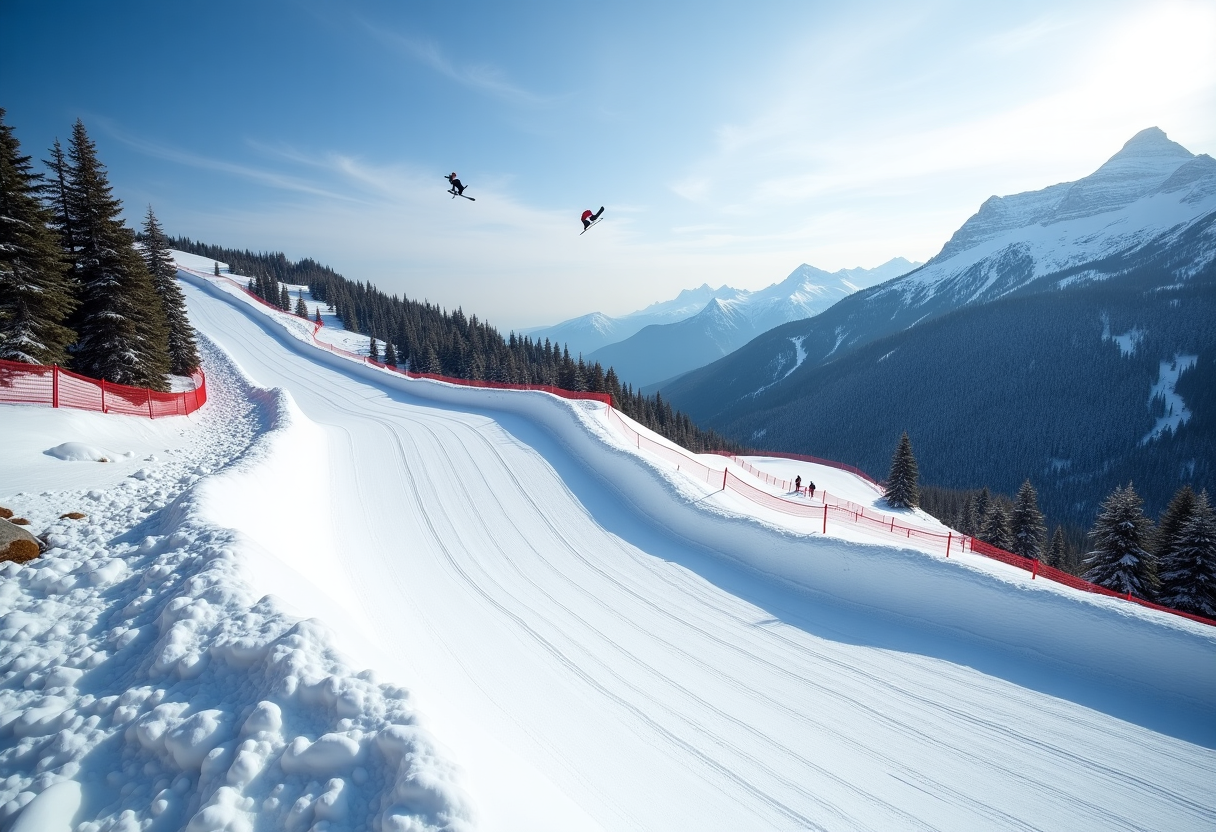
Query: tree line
[[74, 288], [424, 337], [1172, 562]]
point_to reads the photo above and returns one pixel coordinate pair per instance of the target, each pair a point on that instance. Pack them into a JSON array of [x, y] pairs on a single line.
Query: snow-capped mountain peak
[[1145, 163]]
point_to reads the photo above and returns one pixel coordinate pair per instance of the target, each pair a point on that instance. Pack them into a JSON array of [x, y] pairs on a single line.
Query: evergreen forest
[[75, 290]]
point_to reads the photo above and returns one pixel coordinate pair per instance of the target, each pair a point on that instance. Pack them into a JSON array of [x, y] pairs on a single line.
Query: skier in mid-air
[[589, 218], [457, 188]]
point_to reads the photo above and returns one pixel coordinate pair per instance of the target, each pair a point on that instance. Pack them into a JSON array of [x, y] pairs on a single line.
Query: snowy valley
[[338, 598]]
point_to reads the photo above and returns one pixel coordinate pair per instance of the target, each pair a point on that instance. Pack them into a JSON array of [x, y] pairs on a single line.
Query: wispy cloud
[[263, 176], [483, 78]]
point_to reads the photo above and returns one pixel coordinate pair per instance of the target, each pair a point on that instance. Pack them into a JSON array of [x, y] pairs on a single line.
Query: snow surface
[[599, 640], [144, 682], [583, 621]]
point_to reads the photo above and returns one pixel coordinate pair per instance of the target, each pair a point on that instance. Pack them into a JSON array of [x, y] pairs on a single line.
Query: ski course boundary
[[42, 384]]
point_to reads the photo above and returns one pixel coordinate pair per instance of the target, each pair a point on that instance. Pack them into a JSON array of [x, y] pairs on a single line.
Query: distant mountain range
[[1094, 300], [806, 291]]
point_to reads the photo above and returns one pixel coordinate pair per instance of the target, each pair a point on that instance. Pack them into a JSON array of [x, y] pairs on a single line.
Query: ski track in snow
[[578, 636], [586, 667]]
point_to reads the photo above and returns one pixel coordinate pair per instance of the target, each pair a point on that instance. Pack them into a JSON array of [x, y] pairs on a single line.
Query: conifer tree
[[1120, 559], [1026, 524], [1180, 509], [55, 193], [996, 528], [981, 505], [120, 321], [1056, 553], [902, 490], [35, 288], [1188, 570], [183, 352]]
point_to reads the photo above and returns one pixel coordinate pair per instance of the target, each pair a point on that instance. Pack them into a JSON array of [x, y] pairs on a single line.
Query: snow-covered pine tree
[[1171, 521], [996, 528], [183, 352], [120, 321], [35, 288], [1026, 524], [902, 490], [1120, 559], [1188, 570], [1056, 552], [390, 354]]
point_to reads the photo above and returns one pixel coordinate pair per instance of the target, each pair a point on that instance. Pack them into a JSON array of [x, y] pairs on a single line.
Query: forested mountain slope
[[1078, 389]]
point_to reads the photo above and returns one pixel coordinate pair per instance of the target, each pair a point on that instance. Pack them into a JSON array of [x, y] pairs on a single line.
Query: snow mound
[[142, 677], [81, 452]]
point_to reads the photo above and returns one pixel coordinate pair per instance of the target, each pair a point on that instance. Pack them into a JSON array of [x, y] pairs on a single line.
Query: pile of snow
[[144, 682], [83, 452]]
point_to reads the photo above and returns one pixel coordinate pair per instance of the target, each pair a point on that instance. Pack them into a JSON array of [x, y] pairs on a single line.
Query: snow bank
[[143, 682], [82, 452], [1002, 608]]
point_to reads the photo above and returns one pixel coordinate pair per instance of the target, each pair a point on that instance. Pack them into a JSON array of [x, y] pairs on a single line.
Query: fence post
[[55, 386], [949, 538], [103, 395], [825, 518]]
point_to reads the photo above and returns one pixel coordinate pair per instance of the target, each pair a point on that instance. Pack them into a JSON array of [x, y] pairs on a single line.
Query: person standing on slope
[[457, 188], [589, 217]]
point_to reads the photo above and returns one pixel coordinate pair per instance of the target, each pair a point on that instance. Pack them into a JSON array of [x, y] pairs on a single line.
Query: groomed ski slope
[[599, 646]]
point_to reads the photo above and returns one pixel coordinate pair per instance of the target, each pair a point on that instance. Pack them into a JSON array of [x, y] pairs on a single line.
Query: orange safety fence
[[39, 384]]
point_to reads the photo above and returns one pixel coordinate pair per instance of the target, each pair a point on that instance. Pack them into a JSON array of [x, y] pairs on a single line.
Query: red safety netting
[[57, 387], [825, 507]]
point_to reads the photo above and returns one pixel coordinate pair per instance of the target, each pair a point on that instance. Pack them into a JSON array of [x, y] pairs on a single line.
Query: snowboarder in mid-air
[[457, 188], [590, 219]]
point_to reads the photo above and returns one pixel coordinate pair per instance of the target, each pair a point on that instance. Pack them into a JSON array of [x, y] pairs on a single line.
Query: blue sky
[[729, 142]]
